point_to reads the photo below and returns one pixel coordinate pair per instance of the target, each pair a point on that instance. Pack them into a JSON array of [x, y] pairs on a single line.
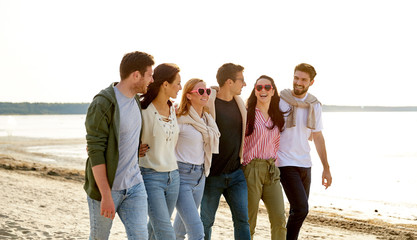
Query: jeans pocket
[[183, 170], [146, 171]]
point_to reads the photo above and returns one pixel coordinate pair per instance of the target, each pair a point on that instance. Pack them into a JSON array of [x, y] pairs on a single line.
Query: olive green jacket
[[102, 126]]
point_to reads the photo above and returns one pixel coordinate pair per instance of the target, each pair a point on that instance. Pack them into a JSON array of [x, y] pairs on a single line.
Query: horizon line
[[329, 105]]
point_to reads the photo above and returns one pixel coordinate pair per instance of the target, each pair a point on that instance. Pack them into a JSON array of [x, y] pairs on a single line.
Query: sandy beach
[[46, 201]]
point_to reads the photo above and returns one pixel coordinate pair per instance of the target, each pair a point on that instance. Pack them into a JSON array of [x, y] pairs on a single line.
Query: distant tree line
[[25, 108]]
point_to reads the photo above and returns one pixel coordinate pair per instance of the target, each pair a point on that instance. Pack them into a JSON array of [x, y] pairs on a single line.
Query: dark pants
[[296, 183], [234, 189]]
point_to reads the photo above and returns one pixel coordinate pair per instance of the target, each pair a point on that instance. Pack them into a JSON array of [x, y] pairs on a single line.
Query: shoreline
[[319, 224]]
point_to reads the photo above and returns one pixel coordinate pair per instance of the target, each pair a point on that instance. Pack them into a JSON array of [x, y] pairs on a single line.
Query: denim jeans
[[234, 189], [188, 219], [296, 183], [132, 207], [162, 189]]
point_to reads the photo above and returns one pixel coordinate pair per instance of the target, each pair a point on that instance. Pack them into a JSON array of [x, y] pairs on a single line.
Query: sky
[[364, 52]]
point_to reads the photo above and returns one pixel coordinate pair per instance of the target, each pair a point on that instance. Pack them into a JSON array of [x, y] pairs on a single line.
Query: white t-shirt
[[294, 149], [190, 145]]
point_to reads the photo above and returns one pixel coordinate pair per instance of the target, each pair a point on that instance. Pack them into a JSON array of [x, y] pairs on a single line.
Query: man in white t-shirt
[[303, 123]]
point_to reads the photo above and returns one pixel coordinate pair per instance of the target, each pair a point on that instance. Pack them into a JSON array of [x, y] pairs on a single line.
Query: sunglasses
[[201, 91], [267, 87]]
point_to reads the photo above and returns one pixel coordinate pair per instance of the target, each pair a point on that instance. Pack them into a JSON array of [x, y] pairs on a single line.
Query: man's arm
[[97, 127], [107, 204], [321, 150]]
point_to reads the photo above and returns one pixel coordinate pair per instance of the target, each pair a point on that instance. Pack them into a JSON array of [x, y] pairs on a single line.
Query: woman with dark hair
[[265, 121], [198, 139], [157, 161]]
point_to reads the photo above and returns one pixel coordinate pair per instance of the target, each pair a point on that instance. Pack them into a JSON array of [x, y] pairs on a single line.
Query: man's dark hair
[[135, 61], [227, 71], [307, 68]]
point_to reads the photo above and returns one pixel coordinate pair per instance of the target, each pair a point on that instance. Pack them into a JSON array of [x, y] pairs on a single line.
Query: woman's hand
[[143, 148]]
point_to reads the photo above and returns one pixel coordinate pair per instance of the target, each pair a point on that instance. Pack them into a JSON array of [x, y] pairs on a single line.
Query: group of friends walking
[[147, 157]]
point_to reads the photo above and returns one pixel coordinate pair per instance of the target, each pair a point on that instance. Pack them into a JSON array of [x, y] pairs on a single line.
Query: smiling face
[[264, 96], [173, 88], [197, 100], [141, 83], [238, 84], [301, 83]]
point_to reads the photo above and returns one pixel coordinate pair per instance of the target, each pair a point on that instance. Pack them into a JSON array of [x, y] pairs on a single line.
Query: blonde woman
[[198, 139]]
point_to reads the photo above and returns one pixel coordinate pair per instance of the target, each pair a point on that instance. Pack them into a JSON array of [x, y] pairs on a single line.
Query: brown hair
[[227, 71], [274, 111], [307, 68], [163, 72], [135, 61]]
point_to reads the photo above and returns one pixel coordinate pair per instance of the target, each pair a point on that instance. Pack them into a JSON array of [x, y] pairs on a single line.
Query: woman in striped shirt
[[264, 123]]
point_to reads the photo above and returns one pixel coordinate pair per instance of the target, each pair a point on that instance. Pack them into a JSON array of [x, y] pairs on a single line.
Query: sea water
[[373, 160], [372, 156], [55, 139], [43, 126]]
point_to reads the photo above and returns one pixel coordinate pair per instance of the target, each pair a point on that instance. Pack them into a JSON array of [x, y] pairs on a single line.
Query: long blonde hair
[[185, 103]]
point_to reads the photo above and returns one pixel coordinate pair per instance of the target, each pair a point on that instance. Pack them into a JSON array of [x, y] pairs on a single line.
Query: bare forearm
[[107, 208], [321, 149]]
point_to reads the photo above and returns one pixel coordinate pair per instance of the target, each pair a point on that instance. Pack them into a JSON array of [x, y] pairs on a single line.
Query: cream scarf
[[286, 94], [208, 128]]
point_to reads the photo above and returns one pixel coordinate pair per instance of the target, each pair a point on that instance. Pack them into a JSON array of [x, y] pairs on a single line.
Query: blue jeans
[[132, 207], [188, 219], [296, 183], [234, 189], [162, 189]]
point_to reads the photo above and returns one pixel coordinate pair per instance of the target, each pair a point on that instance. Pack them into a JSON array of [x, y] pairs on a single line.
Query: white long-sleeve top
[[161, 137]]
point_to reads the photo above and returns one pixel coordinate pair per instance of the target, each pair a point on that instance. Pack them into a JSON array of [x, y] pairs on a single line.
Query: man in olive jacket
[[113, 181]]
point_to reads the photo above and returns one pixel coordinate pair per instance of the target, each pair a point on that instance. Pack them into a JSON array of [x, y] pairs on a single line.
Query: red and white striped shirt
[[263, 143]]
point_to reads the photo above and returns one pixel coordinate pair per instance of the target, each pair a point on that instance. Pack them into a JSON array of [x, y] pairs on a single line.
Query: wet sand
[[47, 201]]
